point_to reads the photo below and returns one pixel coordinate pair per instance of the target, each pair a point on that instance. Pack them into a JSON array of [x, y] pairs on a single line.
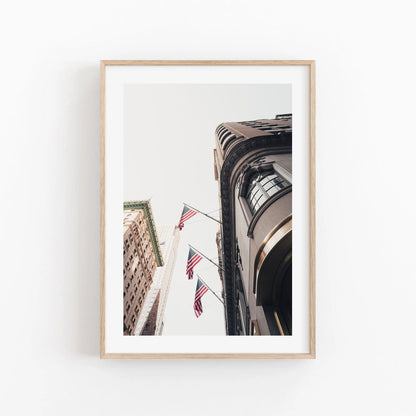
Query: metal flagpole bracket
[[203, 255], [200, 278], [203, 213]]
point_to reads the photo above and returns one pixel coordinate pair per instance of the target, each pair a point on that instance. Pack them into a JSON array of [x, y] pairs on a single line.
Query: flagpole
[[200, 278], [178, 226], [203, 255], [203, 213]]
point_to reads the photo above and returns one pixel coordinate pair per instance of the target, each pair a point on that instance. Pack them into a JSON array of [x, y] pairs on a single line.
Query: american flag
[[186, 214], [193, 259], [201, 289]]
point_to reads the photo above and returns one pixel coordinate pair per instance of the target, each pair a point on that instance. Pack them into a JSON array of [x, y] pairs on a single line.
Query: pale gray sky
[[169, 137]]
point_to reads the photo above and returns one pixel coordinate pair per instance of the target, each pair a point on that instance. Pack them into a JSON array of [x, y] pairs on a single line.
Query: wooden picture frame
[[106, 108]]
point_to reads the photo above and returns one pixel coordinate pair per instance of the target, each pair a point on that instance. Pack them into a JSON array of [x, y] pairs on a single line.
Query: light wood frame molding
[[312, 188]]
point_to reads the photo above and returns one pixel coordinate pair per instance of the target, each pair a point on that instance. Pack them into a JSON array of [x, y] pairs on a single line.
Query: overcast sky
[[169, 138]]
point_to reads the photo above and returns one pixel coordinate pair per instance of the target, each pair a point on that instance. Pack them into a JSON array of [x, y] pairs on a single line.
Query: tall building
[[142, 255], [151, 318], [253, 165]]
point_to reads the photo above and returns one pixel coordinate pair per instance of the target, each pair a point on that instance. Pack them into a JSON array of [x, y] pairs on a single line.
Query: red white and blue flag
[[201, 289], [186, 214], [193, 259]]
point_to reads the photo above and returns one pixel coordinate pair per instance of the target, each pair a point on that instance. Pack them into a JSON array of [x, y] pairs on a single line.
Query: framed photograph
[[207, 209]]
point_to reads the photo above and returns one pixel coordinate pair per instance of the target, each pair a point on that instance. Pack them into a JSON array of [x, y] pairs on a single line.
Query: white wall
[[366, 222]]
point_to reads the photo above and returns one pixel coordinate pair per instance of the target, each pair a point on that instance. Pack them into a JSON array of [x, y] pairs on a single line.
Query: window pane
[[282, 183], [279, 185], [268, 178], [272, 191], [267, 184], [255, 201], [262, 199], [253, 192]]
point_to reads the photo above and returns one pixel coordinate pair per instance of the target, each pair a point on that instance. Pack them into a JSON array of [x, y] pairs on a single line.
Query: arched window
[[263, 185]]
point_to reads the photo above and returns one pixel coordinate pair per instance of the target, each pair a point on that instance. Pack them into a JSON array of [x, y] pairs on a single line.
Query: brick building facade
[[141, 257]]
